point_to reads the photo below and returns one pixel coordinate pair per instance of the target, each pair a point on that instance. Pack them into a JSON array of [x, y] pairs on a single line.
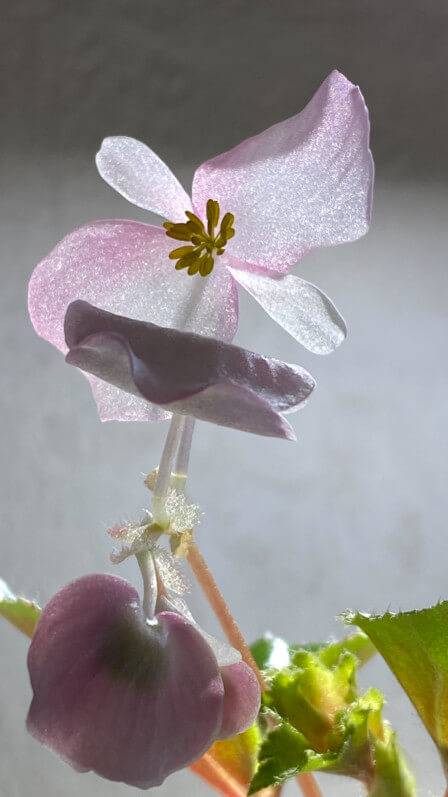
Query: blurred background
[[354, 514]]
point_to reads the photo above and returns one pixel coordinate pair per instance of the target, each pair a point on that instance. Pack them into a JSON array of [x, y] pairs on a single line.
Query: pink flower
[[186, 373], [130, 698], [255, 211]]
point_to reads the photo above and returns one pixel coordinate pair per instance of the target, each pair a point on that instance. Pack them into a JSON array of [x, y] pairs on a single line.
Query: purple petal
[[130, 701], [241, 687], [299, 307], [138, 174], [187, 373], [303, 183], [241, 699], [123, 266], [225, 654]]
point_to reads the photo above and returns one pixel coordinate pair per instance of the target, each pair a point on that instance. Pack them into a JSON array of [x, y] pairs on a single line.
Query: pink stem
[[219, 606], [308, 785]]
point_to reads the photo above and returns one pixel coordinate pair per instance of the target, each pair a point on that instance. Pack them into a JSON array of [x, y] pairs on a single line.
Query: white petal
[[299, 307], [138, 174], [303, 183]]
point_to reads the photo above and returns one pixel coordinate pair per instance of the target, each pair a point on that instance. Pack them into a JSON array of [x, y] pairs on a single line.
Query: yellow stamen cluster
[[199, 257]]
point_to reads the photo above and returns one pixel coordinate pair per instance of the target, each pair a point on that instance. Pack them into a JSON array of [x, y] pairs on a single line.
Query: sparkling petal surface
[[123, 266], [138, 174], [112, 694], [299, 307], [241, 699], [187, 373], [303, 183]]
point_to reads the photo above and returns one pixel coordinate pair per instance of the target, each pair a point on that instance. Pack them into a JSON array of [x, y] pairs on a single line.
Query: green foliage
[[23, 614], [318, 721], [270, 651], [415, 646], [392, 777], [273, 652], [282, 756]]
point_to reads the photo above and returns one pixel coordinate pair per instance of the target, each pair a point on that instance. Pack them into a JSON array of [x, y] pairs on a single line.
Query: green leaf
[[282, 755], [357, 644], [392, 775], [360, 724], [309, 693], [272, 652], [22, 613], [322, 723], [415, 646], [368, 752]]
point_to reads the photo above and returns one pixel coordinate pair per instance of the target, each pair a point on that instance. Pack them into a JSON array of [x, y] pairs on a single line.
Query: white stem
[[183, 456], [165, 469], [149, 575]]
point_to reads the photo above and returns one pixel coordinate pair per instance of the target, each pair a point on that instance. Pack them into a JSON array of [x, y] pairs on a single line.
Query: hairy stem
[[211, 591], [179, 437], [220, 608], [308, 785], [165, 468]]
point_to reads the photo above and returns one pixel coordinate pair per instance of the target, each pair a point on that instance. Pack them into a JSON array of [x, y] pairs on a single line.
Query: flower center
[[206, 244]]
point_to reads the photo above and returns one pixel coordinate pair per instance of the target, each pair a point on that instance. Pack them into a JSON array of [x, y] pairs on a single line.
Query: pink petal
[[303, 183], [241, 699], [187, 373], [138, 174], [299, 307], [123, 266], [133, 702]]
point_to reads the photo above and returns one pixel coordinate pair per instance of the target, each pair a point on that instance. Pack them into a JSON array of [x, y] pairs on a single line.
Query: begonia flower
[[255, 211], [130, 697], [186, 373]]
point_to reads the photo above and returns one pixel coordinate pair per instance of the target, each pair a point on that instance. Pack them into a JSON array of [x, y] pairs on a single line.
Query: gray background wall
[[353, 515]]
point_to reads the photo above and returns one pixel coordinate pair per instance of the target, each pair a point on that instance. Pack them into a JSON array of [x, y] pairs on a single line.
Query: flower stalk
[[165, 469], [215, 599], [150, 587], [183, 456]]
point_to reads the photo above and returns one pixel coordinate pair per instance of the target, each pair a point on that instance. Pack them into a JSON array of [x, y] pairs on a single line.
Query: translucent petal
[[123, 266], [113, 694], [303, 183], [138, 174], [299, 307], [187, 373]]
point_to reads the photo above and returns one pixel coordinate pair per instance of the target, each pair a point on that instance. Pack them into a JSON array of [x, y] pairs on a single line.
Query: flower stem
[[213, 594], [183, 455], [179, 437], [165, 468], [150, 589], [201, 569], [308, 785], [219, 606]]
